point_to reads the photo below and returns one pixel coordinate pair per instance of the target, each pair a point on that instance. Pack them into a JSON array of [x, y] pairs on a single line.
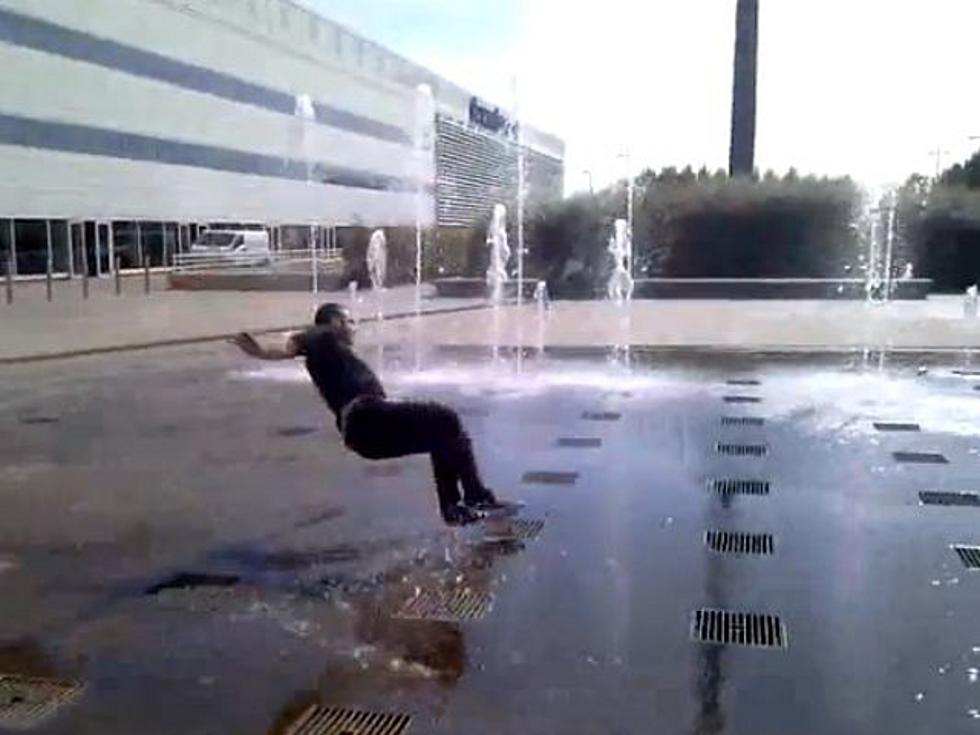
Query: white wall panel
[[199, 39], [55, 88], [40, 184]]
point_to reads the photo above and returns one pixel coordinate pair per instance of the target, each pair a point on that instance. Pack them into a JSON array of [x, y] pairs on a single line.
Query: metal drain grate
[[742, 399], [549, 478], [743, 382], [969, 555], [967, 373], [453, 606], [957, 499], [319, 720], [26, 702], [37, 420], [725, 627], [920, 458], [579, 442], [732, 542], [742, 450], [740, 487], [895, 426], [602, 416], [192, 580], [742, 421], [517, 530], [289, 431]]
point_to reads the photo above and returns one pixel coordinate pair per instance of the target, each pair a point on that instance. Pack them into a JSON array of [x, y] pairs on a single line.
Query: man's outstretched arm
[[247, 343]]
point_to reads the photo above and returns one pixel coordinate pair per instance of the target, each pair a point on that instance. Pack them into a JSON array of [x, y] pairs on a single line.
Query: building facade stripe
[[71, 138], [22, 30]]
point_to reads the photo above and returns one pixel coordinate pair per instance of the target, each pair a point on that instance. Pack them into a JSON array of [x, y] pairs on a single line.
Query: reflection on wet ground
[[251, 590]]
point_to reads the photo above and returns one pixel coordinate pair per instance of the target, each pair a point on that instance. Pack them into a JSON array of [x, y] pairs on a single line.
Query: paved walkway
[[32, 327], [934, 324]]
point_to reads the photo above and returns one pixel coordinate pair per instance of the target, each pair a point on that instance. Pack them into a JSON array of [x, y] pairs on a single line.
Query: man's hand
[[247, 344]]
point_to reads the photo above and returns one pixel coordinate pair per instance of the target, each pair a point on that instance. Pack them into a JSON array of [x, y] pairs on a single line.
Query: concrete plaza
[[187, 547]]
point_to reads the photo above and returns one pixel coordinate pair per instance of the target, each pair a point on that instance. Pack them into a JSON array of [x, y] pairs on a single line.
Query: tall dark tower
[[741, 156]]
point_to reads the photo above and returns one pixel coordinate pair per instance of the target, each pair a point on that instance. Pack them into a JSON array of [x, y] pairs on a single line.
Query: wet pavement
[[185, 542]]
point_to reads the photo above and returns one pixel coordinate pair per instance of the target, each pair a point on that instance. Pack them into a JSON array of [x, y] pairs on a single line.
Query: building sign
[[491, 118]]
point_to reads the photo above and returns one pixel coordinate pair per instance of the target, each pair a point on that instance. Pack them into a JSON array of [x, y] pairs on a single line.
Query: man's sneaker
[[460, 515], [487, 502]]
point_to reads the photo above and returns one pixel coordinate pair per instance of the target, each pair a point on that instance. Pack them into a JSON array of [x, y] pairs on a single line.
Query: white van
[[248, 247]]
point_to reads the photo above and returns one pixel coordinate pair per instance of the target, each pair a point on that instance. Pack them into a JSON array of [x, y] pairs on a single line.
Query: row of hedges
[[941, 228], [701, 226], [447, 251]]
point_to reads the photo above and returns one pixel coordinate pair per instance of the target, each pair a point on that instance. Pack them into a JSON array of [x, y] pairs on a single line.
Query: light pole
[[938, 152], [588, 172]]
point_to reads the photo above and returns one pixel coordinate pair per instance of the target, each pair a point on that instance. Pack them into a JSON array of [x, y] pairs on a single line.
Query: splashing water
[[423, 145], [377, 265], [620, 286], [499, 254]]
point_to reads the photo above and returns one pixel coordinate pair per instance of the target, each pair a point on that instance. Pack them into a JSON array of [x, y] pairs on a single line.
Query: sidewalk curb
[[136, 346]]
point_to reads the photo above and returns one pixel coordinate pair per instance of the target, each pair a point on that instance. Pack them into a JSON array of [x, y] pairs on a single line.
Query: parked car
[[243, 247]]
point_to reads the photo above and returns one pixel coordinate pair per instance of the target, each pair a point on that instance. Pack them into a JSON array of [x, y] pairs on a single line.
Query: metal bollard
[[10, 282], [85, 281], [118, 276], [47, 281], [146, 275]]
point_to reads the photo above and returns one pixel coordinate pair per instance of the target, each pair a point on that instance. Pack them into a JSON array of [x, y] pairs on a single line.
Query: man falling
[[377, 428]]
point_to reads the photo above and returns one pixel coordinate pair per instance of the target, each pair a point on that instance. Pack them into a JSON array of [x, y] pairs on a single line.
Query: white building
[[125, 125]]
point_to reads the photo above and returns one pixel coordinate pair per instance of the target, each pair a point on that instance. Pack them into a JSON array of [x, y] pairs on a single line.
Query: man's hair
[[327, 312]]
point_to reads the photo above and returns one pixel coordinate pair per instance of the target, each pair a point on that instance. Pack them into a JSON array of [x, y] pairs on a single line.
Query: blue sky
[[430, 29], [864, 87]]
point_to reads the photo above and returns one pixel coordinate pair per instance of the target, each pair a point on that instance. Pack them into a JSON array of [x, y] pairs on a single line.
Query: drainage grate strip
[[895, 426], [740, 487], [742, 450], [290, 431], [26, 702], [743, 382], [742, 421], [726, 627], [733, 542], [957, 499], [319, 720], [191, 580], [969, 555], [601, 416], [516, 530], [920, 458], [37, 420], [742, 399], [579, 442], [454, 606], [544, 477]]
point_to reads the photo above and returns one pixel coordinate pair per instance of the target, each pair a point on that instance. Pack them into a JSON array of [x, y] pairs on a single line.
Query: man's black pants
[[379, 429]]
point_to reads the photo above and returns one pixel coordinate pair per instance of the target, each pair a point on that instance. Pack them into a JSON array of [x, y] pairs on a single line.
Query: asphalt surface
[[124, 476]]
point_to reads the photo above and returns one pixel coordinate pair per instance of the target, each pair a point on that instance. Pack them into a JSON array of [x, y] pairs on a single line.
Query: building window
[[284, 17], [314, 29]]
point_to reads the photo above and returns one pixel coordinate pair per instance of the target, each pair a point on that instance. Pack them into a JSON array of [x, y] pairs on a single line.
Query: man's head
[[335, 318]]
